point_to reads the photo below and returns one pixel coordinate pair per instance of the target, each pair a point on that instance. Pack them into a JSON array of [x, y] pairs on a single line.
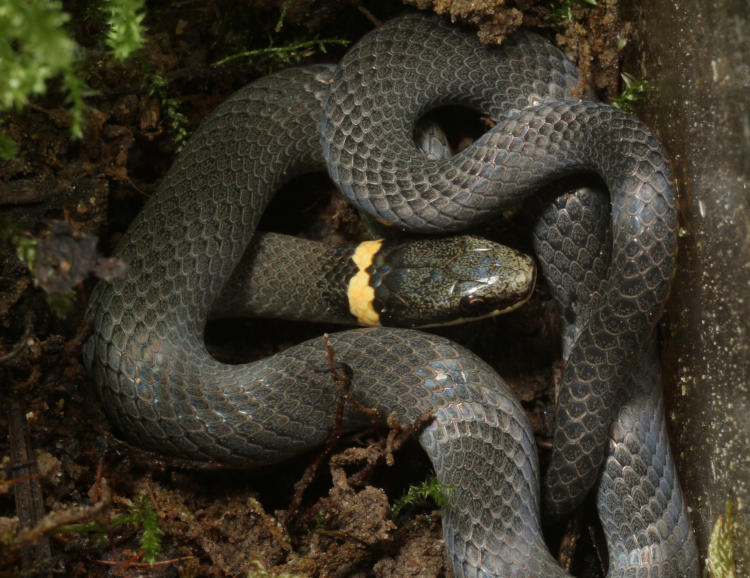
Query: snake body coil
[[163, 390]]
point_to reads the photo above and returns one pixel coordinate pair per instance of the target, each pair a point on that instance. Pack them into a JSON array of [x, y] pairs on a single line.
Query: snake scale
[[609, 261]]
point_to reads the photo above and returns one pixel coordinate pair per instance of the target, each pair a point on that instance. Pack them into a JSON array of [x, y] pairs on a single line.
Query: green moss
[[141, 515], [633, 91], [158, 86], [429, 490], [730, 539], [36, 47], [125, 33]]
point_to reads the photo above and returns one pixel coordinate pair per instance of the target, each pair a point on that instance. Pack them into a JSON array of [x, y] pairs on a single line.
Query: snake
[[609, 259]]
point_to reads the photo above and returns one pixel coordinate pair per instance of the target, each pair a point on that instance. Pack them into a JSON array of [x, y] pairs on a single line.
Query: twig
[[27, 489], [343, 380], [130, 562], [369, 15], [286, 53], [398, 435], [74, 515]]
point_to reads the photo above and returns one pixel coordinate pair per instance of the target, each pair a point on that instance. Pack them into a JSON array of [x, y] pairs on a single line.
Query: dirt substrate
[[62, 460]]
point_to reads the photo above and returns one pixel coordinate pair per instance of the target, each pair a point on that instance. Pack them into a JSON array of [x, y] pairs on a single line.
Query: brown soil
[[62, 461]]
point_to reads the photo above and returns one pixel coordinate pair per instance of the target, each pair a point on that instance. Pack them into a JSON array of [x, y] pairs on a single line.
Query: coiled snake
[[163, 390]]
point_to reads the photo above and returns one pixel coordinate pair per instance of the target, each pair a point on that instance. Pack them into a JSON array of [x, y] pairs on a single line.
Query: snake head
[[432, 282]]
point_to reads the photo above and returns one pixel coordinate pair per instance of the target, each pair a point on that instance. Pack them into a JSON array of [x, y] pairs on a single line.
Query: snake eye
[[472, 305]]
